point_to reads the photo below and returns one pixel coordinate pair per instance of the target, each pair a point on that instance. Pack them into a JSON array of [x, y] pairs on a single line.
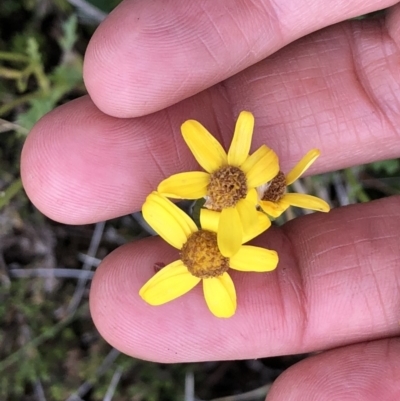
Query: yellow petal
[[262, 224], [205, 148], [169, 283], [241, 142], [230, 232], [254, 259], [209, 219], [274, 209], [248, 215], [302, 166], [306, 202], [261, 167], [220, 295], [252, 196], [171, 223], [191, 185]]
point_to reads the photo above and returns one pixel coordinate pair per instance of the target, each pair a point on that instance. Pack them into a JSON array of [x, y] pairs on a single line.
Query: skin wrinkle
[[360, 241], [299, 287], [217, 31], [360, 73], [175, 137], [272, 11]]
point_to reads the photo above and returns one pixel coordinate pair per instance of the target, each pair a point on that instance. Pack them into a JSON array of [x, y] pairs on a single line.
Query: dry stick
[[257, 394], [87, 386], [8, 126], [80, 287], [113, 384], [341, 192], [189, 386], [82, 257], [89, 10], [58, 272], [39, 392]]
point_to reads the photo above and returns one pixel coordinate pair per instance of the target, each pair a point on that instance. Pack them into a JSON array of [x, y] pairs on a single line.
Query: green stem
[[10, 192], [8, 73], [22, 99], [14, 57], [37, 341], [356, 187]]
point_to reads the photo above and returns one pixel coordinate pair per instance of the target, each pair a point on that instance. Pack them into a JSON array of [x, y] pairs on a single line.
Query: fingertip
[[76, 159], [357, 372], [134, 64]]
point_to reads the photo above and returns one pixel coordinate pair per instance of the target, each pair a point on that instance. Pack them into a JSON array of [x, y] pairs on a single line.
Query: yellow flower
[[273, 197], [200, 257], [229, 181]]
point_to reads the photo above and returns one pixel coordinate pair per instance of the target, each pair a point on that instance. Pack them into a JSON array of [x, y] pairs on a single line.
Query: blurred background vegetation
[[49, 348]]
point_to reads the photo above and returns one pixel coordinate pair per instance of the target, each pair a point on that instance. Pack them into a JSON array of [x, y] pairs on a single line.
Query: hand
[[337, 283]]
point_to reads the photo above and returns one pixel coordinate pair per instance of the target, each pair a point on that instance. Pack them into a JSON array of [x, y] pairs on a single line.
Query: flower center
[[275, 189], [201, 255], [227, 186]]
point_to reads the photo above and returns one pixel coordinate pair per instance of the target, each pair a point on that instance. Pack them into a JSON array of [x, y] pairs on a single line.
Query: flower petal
[[302, 166], [191, 185], [170, 222], [254, 259], [260, 167], [209, 219], [241, 142], [306, 202], [205, 148], [262, 224], [220, 295], [274, 209], [230, 233], [252, 196], [169, 283], [248, 215]]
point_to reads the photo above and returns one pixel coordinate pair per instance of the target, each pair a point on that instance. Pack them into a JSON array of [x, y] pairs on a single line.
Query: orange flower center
[[276, 188], [227, 186], [201, 255]]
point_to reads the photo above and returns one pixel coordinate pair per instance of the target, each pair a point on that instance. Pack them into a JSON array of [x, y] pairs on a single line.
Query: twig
[[257, 394], [58, 272], [87, 385], [8, 126], [82, 257], [113, 384], [39, 392], [340, 189], [88, 11], [189, 386], [80, 287]]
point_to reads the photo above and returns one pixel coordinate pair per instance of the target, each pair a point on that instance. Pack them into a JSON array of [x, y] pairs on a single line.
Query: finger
[[362, 372], [337, 282], [80, 165], [149, 55]]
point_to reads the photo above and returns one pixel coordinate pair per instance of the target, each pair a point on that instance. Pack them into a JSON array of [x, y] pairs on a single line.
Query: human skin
[[152, 65]]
